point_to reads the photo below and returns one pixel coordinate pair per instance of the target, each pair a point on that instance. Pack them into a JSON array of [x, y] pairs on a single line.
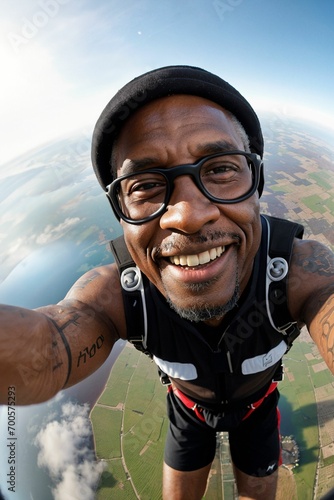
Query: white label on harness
[[183, 371], [263, 361]]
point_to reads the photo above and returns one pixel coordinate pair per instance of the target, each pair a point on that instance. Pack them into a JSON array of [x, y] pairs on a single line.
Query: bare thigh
[[184, 485], [256, 488]]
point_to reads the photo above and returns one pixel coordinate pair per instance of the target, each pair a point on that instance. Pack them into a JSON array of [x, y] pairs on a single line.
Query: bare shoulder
[[95, 281], [311, 256], [311, 278]]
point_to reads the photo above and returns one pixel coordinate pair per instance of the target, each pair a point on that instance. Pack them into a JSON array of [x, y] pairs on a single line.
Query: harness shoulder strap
[[283, 233], [131, 280], [281, 236], [121, 253]]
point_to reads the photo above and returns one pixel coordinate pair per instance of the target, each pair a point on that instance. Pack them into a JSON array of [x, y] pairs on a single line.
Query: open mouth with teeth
[[197, 259]]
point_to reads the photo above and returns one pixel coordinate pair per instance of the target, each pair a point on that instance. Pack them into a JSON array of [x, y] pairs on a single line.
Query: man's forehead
[[185, 104], [174, 112], [174, 123]]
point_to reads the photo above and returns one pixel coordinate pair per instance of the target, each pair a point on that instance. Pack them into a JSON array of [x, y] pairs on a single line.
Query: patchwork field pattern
[[299, 173]]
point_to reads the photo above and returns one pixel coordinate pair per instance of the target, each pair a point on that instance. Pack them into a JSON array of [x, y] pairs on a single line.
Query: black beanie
[[170, 80]]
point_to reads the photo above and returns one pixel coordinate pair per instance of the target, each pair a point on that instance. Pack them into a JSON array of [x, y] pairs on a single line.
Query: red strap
[[253, 406], [187, 402]]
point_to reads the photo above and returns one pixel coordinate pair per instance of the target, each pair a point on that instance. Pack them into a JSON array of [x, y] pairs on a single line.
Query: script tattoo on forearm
[[88, 353]]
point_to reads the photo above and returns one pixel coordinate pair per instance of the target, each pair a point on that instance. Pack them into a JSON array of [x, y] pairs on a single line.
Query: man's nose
[[188, 209]]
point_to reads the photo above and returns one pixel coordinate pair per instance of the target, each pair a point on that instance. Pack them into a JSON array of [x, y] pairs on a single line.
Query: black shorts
[[254, 443]]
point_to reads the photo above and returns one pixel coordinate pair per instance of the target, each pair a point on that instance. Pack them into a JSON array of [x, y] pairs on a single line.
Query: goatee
[[205, 312]]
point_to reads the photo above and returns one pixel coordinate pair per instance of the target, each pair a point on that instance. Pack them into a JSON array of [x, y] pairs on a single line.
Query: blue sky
[[62, 60]]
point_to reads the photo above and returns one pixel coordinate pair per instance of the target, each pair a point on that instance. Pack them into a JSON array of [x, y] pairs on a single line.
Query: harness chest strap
[[198, 410]]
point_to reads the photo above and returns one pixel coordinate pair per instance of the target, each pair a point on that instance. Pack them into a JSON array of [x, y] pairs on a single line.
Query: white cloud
[[14, 253], [53, 233], [79, 482], [64, 450]]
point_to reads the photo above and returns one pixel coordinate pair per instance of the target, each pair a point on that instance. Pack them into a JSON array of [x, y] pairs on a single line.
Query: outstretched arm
[[54, 347], [312, 294]]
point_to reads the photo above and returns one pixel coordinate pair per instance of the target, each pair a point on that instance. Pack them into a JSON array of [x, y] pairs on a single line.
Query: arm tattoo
[[67, 347], [88, 353], [318, 260], [85, 280]]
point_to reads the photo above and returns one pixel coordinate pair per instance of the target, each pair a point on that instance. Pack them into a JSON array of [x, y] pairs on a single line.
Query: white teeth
[[213, 253], [183, 260], [192, 260], [197, 259], [205, 257]]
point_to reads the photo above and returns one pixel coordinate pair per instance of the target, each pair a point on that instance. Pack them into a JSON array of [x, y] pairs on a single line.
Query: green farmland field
[[130, 421]]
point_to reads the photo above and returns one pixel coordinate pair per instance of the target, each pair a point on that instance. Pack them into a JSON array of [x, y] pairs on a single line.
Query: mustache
[[179, 242]]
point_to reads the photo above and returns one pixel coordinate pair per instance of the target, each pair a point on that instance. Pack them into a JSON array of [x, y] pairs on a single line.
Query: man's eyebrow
[[207, 148], [220, 146], [133, 166]]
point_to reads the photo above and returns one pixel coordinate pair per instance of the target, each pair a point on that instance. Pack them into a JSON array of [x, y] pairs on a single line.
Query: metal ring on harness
[[131, 279], [277, 269]]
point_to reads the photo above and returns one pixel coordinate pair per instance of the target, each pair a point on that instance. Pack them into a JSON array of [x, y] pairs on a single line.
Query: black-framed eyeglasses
[[227, 177]]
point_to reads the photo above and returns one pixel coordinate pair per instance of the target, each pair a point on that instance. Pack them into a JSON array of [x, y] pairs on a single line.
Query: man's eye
[[217, 169], [146, 186], [220, 169]]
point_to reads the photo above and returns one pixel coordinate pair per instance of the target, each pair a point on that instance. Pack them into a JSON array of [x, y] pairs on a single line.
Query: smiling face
[[199, 254]]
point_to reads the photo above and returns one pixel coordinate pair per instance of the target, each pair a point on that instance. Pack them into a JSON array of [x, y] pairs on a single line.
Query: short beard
[[206, 312]]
